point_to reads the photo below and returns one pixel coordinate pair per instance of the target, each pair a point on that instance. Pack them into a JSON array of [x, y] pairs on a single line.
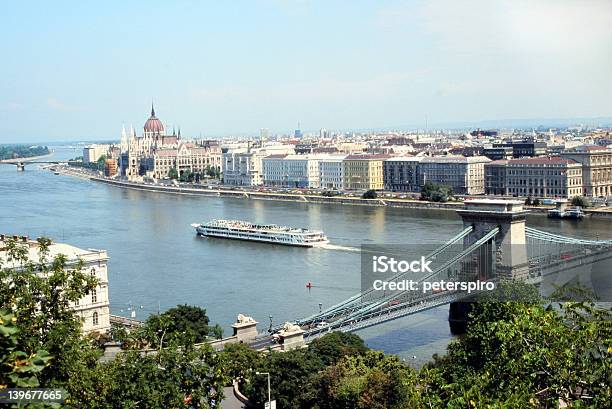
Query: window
[[94, 295], [95, 318]]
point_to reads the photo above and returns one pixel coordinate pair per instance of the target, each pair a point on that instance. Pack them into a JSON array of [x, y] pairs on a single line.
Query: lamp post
[[269, 395]]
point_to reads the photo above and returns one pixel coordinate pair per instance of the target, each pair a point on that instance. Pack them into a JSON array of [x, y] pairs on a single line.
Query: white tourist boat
[[266, 233]]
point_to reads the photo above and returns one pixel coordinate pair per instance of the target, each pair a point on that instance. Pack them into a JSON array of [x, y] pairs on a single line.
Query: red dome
[[153, 124]]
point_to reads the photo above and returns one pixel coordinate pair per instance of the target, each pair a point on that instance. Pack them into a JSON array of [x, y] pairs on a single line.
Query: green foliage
[[40, 324], [39, 294], [436, 193], [212, 171], [291, 373], [187, 176], [22, 151], [100, 162], [240, 362], [370, 194], [330, 348], [581, 201], [18, 368], [525, 354], [173, 378], [370, 380], [173, 174]]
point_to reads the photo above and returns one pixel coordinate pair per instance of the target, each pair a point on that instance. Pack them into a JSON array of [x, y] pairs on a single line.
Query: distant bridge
[[21, 162]]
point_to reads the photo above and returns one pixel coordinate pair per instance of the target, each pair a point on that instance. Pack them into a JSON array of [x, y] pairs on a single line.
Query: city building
[[331, 175], [243, 167], [523, 148], [363, 171], [110, 167], [92, 153], [401, 174], [187, 157], [465, 175], [93, 309], [596, 164], [291, 170], [499, 153], [542, 177]]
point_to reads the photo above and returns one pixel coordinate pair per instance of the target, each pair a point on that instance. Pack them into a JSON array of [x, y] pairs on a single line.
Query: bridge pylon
[[509, 260]]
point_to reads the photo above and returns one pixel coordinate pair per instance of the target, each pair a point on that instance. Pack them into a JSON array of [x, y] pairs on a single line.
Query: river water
[[156, 260]]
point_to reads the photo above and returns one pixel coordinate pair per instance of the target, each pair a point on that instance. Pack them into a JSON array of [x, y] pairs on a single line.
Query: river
[[156, 260]]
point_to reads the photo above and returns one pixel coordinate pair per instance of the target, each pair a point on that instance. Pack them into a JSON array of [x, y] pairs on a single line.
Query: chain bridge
[[495, 244]]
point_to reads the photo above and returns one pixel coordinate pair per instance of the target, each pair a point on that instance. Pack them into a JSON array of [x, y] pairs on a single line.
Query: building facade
[[93, 308], [596, 164], [331, 174], [244, 167], [363, 172], [155, 153], [543, 177], [401, 174], [92, 153], [465, 175]]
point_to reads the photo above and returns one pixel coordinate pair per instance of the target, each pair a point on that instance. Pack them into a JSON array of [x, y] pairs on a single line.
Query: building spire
[[152, 108]]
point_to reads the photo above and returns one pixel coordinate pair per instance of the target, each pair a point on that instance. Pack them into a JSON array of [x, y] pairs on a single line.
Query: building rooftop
[[456, 159], [72, 253], [543, 160]]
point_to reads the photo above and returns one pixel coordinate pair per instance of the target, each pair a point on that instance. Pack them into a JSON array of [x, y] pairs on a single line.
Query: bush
[[581, 201], [436, 193], [370, 194]]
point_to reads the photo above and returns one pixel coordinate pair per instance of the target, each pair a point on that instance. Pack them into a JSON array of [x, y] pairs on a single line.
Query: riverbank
[[27, 158], [299, 198]]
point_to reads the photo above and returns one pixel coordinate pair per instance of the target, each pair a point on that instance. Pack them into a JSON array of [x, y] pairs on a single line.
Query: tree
[[173, 173], [186, 176], [41, 343], [290, 377], [581, 201], [525, 354], [330, 348], [370, 194], [371, 380], [100, 162], [39, 293], [18, 369], [240, 361], [435, 192]]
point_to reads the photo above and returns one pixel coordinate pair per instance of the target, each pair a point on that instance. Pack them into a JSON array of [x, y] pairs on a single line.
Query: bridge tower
[[510, 252], [507, 259]]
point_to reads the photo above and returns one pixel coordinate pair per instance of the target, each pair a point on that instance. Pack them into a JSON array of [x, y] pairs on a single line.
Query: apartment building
[[401, 174], [243, 167], [364, 172], [331, 174], [465, 175]]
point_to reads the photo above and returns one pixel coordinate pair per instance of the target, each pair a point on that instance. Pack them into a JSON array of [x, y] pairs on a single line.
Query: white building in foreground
[[93, 309]]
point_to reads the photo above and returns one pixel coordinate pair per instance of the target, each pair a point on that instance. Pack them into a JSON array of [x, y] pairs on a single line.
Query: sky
[[77, 70]]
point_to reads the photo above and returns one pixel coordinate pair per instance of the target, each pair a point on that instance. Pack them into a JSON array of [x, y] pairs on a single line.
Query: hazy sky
[[80, 69]]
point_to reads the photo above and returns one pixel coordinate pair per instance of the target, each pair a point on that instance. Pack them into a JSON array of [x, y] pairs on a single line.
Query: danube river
[[156, 260]]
